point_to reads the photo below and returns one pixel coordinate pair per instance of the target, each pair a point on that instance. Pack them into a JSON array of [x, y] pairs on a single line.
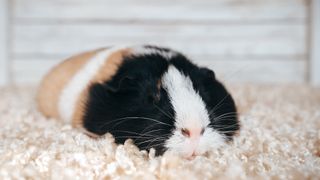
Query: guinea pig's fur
[[152, 95]]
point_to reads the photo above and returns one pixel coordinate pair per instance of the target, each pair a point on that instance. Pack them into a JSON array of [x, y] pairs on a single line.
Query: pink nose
[[192, 132]]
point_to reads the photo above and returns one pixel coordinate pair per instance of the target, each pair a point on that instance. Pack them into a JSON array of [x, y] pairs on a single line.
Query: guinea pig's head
[[163, 101]]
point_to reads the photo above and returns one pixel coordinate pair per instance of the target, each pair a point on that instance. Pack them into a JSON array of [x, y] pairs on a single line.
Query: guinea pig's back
[[64, 90]]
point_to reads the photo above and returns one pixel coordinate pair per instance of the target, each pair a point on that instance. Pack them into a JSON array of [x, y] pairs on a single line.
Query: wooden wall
[[3, 42], [242, 40], [315, 44]]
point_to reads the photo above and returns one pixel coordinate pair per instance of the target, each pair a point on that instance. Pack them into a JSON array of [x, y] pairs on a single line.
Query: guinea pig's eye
[[157, 97], [154, 97], [202, 131]]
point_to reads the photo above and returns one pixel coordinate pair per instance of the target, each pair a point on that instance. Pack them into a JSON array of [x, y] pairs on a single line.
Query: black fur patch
[[132, 105]]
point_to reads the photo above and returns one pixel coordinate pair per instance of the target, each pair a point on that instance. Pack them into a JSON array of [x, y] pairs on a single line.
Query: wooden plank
[[272, 71], [3, 42], [164, 10], [267, 71], [211, 40], [315, 46]]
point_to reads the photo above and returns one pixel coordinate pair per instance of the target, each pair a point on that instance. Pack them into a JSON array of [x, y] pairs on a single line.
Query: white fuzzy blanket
[[279, 139]]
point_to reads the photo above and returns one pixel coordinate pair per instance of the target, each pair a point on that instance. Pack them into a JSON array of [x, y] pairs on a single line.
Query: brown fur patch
[[54, 82], [105, 73]]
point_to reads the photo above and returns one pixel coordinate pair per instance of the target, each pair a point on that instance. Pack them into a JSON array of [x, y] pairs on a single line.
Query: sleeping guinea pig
[[152, 95]]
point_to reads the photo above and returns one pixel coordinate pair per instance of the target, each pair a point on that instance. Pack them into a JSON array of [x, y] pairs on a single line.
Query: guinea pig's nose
[[192, 132], [185, 132]]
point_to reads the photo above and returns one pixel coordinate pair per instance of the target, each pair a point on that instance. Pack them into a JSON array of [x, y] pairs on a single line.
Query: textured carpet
[[279, 139]]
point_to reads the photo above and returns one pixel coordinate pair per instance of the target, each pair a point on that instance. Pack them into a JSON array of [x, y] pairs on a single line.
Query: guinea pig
[[153, 95]]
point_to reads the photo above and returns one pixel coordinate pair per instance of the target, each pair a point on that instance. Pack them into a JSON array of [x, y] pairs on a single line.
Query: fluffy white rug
[[279, 139]]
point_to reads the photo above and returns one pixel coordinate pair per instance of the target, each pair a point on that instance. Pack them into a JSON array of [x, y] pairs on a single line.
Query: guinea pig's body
[[152, 95]]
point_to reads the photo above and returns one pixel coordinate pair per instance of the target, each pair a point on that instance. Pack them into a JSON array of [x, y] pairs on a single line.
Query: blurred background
[[260, 41]]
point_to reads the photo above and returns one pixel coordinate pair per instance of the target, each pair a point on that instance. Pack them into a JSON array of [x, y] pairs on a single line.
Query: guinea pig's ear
[[127, 83], [207, 73]]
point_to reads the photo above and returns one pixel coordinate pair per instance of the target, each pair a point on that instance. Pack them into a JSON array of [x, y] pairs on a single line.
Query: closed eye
[[153, 98], [202, 131]]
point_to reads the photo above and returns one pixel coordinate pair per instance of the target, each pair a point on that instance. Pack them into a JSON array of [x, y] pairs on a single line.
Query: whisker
[[227, 131], [225, 117], [222, 126], [225, 120], [132, 137], [115, 125], [159, 144], [140, 134], [222, 115], [151, 140], [227, 114], [137, 137], [225, 127], [218, 105], [230, 76], [132, 118], [167, 114], [148, 127], [155, 130]]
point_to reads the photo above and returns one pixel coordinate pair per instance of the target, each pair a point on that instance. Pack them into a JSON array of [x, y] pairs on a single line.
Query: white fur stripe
[[190, 113], [187, 103], [79, 81]]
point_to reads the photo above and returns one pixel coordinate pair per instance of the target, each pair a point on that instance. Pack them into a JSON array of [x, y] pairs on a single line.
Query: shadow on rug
[[279, 139]]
